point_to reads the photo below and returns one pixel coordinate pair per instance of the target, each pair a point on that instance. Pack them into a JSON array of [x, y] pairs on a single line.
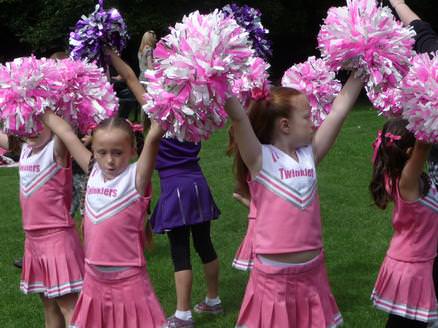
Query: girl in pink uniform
[[288, 286], [53, 262], [404, 286], [117, 291]]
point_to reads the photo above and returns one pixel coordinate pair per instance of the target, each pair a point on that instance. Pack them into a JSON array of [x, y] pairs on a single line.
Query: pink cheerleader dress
[[53, 261], [287, 220], [244, 258], [117, 291], [405, 286]]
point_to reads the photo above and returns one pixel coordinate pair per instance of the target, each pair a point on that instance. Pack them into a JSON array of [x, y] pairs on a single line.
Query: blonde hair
[[59, 55], [149, 39]]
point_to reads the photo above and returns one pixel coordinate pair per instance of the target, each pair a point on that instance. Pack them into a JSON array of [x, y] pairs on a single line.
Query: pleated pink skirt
[[53, 263], [121, 299], [244, 258], [296, 296], [406, 289]]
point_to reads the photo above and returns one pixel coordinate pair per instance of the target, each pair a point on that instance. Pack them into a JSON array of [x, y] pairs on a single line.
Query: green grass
[[356, 234]]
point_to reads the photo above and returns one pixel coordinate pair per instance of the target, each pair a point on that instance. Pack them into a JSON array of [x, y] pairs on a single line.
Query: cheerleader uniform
[[53, 261], [288, 220], [117, 291], [186, 205], [405, 286]]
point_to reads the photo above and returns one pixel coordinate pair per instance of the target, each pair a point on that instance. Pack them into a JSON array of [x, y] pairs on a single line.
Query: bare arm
[[150, 64], [128, 75], [249, 146], [403, 11], [326, 135], [61, 152], [146, 161], [409, 183], [4, 141], [65, 133]]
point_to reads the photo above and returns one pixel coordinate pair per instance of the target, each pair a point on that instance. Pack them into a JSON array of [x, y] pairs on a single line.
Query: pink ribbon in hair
[[136, 127], [378, 142]]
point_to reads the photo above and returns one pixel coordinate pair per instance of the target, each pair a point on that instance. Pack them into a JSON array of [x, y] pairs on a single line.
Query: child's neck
[[290, 149]]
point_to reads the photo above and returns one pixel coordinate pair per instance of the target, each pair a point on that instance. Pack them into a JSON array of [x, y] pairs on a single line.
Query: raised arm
[[249, 146], [65, 133], [128, 75], [410, 178], [61, 152], [146, 161], [326, 135], [403, 11]]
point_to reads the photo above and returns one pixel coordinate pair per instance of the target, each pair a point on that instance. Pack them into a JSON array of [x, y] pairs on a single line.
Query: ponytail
[[390, 157]]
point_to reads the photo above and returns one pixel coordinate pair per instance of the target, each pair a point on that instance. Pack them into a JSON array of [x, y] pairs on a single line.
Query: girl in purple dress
[[186, 207]]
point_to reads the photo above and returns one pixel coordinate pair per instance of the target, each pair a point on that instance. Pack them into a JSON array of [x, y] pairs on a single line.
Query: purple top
[[175, 157]]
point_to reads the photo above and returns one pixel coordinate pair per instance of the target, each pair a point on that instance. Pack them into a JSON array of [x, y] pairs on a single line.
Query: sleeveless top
[[45, 189], [286, 198], [177, 157], [415, 225], [114, 219]]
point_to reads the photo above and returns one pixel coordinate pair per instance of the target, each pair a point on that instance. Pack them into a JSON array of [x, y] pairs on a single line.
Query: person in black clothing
[[426, 41]]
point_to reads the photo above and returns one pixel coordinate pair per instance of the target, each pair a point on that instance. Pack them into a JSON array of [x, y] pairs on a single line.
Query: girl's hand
[[241, 199]]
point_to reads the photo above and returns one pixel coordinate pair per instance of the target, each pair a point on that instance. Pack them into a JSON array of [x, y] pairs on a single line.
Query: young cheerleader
[[117, 291], [404, 286], [186, 207], [288, 286], [53, 262]]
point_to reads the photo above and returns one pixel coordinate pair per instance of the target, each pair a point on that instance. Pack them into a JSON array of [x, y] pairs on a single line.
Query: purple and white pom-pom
[[196, 66], [420, 97], [87, 97], [25, 93], [315, 79], [366, 37], [101, 28], [387, 102], [250, 19]]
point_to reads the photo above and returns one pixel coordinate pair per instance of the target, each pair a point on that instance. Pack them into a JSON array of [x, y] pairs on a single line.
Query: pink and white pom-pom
[[87, 97], [420, 97], [253, 84], [25, 93], [195, 65], [315, 79], [366, 38], [387, 102]]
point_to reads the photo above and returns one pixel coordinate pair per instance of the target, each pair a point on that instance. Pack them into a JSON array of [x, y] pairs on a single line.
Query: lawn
[[356, 234]]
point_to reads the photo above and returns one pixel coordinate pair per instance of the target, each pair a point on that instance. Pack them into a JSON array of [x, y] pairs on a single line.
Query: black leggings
[[395, 321], [179, 239]]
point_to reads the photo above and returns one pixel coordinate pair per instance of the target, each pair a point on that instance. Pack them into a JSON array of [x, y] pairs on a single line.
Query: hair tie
[[392, 137], [378, 141], [136, 127]]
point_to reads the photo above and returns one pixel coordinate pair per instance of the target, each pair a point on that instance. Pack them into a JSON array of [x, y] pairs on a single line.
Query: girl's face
[[300, 127], [112, 150], [38, 141]]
